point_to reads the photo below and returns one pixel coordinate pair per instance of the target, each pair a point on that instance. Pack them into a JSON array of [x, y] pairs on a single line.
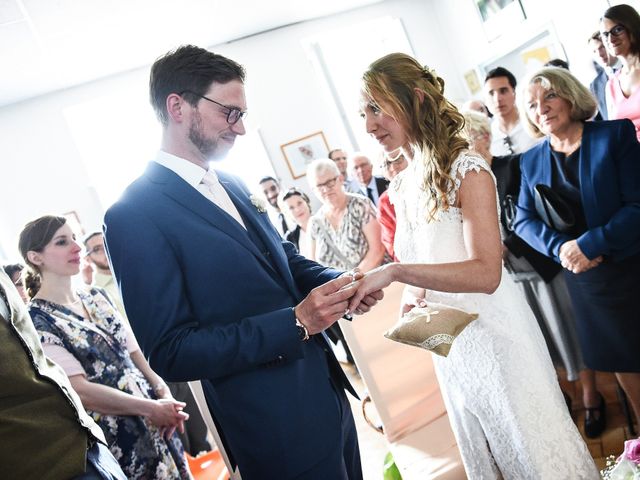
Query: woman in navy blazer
[[595, 168]]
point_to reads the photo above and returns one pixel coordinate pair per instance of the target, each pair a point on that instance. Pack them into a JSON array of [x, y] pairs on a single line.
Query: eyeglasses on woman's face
[[328, 185], [616, 31]]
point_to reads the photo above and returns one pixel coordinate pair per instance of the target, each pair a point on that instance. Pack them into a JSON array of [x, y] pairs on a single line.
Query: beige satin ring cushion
[[433, 328]]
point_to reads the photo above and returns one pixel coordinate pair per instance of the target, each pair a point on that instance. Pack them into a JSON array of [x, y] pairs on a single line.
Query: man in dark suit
[[45, 432], [271, 190], [214, 294], [606, 65], [371, 185]]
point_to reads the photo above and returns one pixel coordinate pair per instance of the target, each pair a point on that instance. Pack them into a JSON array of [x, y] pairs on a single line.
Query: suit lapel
[[588, 153], [545, 168], [180, 191], [249, 214]]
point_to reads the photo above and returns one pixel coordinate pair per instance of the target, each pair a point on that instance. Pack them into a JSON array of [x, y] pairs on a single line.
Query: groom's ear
[[176, 107]]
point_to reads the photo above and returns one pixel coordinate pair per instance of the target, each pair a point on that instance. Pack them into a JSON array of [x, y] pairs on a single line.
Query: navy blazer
[[206, 303], [610, 189]]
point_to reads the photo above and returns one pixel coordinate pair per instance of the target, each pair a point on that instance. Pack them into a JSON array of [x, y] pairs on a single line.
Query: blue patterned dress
[[100, 347]]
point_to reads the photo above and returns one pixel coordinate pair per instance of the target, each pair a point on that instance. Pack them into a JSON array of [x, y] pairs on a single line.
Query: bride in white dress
[[499, 385]]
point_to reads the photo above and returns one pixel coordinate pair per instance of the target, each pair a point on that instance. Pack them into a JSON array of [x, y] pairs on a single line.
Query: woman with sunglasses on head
[[82, 331], [620, 33], [499, 385], [297, 206]]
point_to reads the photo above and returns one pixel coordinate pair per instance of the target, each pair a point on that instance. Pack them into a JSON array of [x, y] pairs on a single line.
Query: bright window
[[117, 135], [342, 56]]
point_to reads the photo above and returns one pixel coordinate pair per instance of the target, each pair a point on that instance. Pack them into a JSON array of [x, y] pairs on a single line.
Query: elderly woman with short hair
[[593, 167], [344, 232]]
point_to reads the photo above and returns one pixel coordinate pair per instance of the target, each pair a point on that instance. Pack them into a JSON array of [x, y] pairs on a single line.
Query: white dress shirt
[[375, 196], [204, 181], [518, 138]]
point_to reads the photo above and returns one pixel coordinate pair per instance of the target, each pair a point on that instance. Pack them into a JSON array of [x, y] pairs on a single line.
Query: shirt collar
[[372, 183], [188, 171]]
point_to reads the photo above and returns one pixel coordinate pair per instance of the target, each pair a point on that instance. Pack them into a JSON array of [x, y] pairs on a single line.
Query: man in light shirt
[[508, 134], [340, 158], [99, 274], [606, 65]]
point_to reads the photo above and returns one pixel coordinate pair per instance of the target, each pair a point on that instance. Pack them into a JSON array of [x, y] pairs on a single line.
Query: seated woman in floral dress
[[83, 332]]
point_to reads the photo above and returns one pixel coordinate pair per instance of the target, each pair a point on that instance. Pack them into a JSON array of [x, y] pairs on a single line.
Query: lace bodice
[[412, 204]]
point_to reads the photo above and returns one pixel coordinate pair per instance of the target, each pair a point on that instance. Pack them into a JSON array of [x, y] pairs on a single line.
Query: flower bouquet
[[627, 466]]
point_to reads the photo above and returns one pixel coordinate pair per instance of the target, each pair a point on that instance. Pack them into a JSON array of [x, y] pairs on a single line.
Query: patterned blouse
[[100, 345], [345, 247]]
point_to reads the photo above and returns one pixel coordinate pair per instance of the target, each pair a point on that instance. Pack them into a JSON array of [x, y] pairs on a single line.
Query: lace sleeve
[[395, 186], [464, 164]]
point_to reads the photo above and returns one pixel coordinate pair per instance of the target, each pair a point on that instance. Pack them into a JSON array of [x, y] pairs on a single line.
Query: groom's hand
[[325, 304]]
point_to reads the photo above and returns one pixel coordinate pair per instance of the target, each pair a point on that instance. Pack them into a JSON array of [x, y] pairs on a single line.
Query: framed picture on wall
[[73, 220], [299, 153], [498, 16]]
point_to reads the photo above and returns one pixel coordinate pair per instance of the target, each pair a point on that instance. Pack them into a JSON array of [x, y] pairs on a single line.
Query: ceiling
[[47, 45]]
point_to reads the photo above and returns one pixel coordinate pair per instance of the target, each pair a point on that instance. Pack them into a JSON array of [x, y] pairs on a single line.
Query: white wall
[[42, 171], [573, 21]]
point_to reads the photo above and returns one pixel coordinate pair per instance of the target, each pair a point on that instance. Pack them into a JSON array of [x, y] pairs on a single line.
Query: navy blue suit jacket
[[207, 304], [610, 190]]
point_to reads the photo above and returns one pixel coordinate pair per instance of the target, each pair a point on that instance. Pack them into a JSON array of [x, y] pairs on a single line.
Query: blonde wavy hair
[[432, 124], [566, 86]]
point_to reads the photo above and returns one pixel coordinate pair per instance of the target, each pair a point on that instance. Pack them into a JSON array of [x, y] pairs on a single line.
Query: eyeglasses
[[328, 185], [509, 145], [510, 209], [233, 114], [96, 249], [614, 32]]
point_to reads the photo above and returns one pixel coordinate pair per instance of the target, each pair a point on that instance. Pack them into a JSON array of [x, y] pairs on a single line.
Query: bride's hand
[[371, 285]]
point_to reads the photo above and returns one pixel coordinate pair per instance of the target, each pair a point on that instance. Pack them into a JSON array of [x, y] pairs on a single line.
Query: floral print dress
[[100, 346], [345, 247]]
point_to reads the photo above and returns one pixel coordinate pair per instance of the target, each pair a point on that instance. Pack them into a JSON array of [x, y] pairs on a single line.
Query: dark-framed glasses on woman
[[614, 32], [328, 185]]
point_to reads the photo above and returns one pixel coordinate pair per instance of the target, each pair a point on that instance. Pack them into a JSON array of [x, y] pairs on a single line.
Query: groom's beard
[[208, 147]]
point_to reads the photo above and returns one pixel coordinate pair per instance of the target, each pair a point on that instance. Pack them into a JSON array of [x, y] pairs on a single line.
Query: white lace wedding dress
[[499, 385]]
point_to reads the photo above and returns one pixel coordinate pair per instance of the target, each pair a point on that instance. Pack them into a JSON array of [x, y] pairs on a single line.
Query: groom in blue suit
[[214, 294]]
